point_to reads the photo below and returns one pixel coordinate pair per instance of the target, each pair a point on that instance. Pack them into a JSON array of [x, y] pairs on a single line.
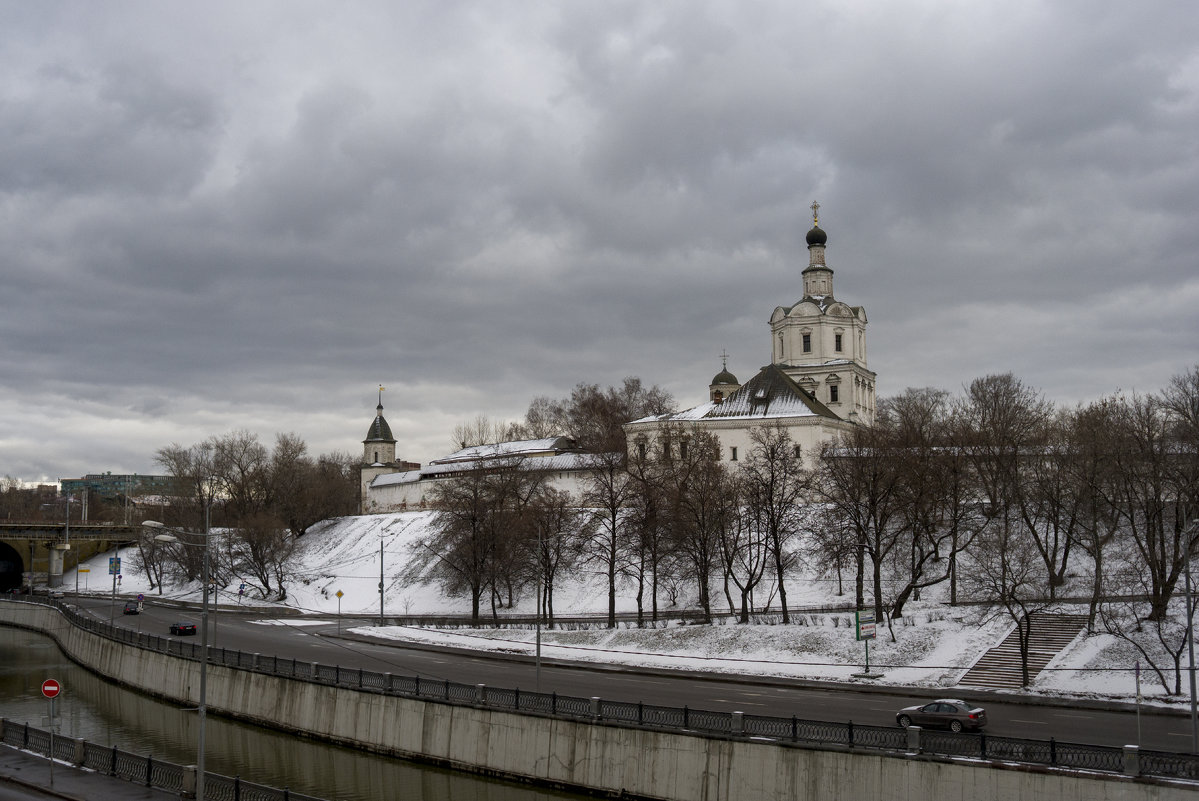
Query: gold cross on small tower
[[724, 360], [815, 213]]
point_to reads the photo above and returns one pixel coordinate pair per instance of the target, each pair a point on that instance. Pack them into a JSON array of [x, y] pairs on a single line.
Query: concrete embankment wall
[[607, 758]]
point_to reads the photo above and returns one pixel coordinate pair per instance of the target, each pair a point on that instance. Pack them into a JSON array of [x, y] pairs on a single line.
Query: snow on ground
[[934, 644]]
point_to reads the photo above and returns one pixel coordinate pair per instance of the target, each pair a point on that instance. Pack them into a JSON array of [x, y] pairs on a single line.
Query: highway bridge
[[33, 552]]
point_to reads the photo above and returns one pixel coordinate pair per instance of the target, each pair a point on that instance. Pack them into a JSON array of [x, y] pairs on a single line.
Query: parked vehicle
[[181, 629], [132, 608], [949, 713]]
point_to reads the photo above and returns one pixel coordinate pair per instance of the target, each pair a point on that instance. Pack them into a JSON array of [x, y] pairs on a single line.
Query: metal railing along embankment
[[142, 770], [782, 730]]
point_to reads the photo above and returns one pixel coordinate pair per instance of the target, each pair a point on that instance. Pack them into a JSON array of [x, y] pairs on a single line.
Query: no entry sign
[[51, 688]]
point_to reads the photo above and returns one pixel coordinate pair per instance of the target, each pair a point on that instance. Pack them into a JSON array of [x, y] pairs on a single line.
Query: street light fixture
[[203, 708]]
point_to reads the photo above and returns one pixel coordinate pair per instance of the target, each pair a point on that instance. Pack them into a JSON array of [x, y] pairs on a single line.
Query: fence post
[[640, 713], [387, 685], [686, 718], [1052, 751], [149, 771], [1132, 760], [416, 681], [359, 678], [554, 702], [236, 789], [480, 693], [982, 745], [795, 729], [517, 698], [316, 671], [80, 751], [914, 739], [738, 723], [447, 689], [188, 790], [113, 770], [254, 661], [595, 707]]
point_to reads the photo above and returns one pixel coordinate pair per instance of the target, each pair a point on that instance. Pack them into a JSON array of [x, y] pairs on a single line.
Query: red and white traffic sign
[[51, 688]]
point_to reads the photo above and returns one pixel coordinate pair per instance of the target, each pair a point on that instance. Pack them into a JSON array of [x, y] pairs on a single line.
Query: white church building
[[816, 386]]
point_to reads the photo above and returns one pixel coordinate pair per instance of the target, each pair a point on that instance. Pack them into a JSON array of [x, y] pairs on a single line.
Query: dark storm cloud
[[247, 216]]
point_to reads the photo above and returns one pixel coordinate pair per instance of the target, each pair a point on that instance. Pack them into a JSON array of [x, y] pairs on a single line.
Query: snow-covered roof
[[549, 455], [390, 479], [499, 450], [769, 394]]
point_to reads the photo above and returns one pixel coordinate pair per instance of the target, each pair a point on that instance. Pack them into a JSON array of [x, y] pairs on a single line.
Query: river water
[[108, 715]]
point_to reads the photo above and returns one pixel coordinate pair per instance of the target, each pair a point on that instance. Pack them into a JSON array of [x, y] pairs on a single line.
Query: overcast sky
[[225, 215]]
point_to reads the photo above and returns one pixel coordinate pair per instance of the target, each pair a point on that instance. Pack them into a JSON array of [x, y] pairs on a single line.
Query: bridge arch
[[12, 567]]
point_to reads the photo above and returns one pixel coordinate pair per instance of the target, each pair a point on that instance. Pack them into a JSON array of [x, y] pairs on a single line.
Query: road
[[1065, 721]]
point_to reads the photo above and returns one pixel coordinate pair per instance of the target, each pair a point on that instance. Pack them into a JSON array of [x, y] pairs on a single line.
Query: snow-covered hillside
[[933, 645]]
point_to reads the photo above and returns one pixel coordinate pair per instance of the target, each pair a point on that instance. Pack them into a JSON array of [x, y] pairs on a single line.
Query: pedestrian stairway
[[999, 668]]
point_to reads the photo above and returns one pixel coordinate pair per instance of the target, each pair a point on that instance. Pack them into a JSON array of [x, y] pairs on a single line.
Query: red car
[[181, 629]]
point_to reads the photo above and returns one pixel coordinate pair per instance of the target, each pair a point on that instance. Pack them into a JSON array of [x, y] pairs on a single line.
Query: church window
[[837, 343], [682, 449], [376, 459], [641, 449], [733, 453], [798, 451], [832, 394], [807, 343]]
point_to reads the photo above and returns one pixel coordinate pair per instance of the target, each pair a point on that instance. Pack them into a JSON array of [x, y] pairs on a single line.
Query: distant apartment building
[[117, 485]]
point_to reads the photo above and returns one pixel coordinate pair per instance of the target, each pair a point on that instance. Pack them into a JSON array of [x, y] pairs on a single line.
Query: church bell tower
[[820, 342]]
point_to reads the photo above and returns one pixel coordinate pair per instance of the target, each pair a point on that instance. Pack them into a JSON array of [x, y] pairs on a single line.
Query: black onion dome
[[725, 377], [817, 236]]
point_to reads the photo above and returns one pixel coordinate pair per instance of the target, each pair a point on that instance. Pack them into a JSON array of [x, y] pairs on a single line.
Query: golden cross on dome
[[815, 213]]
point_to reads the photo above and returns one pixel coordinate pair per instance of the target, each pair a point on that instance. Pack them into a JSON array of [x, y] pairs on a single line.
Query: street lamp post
[[1190, 536], [203, 707]]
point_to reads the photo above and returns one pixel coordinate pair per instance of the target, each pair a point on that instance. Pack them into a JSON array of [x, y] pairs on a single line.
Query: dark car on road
[[949, 713], [183, 628], [131, 608]]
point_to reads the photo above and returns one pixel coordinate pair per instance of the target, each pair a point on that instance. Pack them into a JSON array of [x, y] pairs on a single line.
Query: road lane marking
[[1034, 722]]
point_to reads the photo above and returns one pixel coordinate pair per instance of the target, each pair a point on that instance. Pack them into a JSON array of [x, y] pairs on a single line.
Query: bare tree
[[933, 492], [483, 431], [775, 487], [595, 417], [702, 507], [1153, 495], [461, 548], [608, 490], [262, 547], [1005, 570], [1160, 641], [645, 521], [859, 480], [744, 549], [1093, 476], [560, 528]]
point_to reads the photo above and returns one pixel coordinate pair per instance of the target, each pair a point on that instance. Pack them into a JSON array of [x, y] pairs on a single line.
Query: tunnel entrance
[[12, 568]]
